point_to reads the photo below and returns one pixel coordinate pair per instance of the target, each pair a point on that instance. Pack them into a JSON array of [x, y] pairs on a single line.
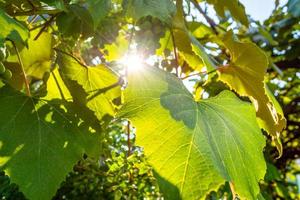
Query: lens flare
[[133, 62]]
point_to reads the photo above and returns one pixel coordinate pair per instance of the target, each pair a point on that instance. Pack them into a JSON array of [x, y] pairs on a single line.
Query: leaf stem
[[36, 12], [70, 55], [175, 52], [22, 68], [128, 138]]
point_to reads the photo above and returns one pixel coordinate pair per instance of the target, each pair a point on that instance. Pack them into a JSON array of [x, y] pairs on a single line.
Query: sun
[[133, 62]]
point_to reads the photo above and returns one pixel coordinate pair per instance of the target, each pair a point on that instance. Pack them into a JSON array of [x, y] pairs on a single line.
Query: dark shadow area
[[179, 102], [169, 190], [41, 141]]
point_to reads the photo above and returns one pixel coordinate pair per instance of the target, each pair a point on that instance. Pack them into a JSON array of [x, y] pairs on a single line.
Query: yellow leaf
[[245, 74], [117, 49]]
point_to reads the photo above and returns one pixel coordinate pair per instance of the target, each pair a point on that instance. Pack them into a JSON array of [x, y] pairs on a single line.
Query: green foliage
[[202, 157], [9, 190], [12, 29], [41, 141], [36, 60], [237, 10], [161, 9], [65, 87], [100, 85], [116, 175], [237, 75]]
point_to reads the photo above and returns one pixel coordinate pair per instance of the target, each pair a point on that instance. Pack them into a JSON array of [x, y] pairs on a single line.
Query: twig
[[68, 54], [32, 20], [36, 27], [45, 25], [128, 138], [207, 18], [198, 74], [36, 12], [32, 5], [22, 68], [175, 52]]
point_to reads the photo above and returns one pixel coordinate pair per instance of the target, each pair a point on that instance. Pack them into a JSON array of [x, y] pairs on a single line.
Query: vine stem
[[207, 18], [128, 139], [175, 52], [22, 68], [70, 55], [36, 12], [45, 25]]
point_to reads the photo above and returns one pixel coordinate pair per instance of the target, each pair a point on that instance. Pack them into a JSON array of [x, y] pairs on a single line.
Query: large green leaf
[[40, 142], [236, 9], [161, 9], [194, 147], [12, 29], [245, 74], [99, 83]]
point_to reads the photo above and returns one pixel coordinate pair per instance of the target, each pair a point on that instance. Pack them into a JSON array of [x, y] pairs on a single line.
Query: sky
[[260, 9]]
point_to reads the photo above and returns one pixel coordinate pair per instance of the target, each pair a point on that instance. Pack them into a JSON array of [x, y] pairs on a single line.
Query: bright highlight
[[133, 62]]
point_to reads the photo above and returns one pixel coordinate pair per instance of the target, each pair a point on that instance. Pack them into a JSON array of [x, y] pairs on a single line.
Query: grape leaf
[[245, 74], [189, 47], [76, 21], [98, 10], [194, 146], [56, 87], [161, 9], [36, 60], [100, 84], [117, 49], [183, 43], [12, 29], [40, 142], [236, 9]]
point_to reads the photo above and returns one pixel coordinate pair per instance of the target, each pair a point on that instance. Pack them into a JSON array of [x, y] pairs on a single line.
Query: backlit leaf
[[36, 59], [118, 49], [99, 83], [194, 147], [189, 47], [246, 77], [237, 10], [12, 29], [56, 86], [161, 9]]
